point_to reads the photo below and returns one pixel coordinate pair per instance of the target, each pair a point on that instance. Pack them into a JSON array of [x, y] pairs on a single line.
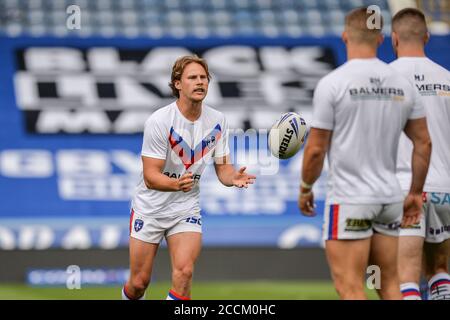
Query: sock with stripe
[[126, 296], [439, 286], [175, 296], [410, 291]]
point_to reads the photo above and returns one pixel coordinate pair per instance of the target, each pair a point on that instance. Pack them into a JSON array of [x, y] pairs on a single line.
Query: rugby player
[[179, 140], [431, 235], [360, 109]]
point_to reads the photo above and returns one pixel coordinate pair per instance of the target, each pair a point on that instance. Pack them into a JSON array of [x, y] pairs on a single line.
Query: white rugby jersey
[[186, 146], [366, 104], [433, 83]]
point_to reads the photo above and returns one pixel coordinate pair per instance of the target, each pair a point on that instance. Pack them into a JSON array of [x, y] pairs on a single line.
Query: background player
[[360, 109], [409, 37], [179, 140]]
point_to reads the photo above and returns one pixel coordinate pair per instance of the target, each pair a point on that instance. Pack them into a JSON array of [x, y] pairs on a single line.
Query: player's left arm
[[417, 131], [229, 176], [313, 158]]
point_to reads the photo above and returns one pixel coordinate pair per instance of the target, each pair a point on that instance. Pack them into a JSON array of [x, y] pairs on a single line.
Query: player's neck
[[361, 52], [410, 51], [189, 109]]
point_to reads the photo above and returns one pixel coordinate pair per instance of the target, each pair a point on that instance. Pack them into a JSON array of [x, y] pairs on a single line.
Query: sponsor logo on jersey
[[138, 224], [357, 224], [438, 231], [440, 198], [412, 226], [194, 220], [178, 175], [376, 93], [433, 89]]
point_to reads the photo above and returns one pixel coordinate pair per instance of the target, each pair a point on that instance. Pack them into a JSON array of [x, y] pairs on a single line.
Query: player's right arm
[[156, 180], [416, 130], [154, 154], [318, 143]]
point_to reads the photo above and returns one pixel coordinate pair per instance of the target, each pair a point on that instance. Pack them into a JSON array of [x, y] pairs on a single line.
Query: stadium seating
[[180, 18], [438, 15]]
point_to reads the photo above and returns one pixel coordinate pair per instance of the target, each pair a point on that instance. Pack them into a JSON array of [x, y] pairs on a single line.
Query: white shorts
[[357, 221], [154, 229], [434, 224]]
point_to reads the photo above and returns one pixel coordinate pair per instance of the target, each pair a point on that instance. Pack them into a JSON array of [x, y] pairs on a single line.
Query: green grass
[[258, 290]]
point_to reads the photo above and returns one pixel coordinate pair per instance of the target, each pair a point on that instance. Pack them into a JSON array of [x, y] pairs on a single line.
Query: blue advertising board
[[71, 117]]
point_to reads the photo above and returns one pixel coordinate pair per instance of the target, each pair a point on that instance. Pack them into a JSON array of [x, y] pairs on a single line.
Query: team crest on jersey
[[138, 224], [210, 141]]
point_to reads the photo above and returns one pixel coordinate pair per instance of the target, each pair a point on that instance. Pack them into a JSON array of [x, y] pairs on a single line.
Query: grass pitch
[[226, 290]]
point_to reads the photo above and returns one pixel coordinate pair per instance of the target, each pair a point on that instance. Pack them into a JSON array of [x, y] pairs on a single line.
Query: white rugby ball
[[287, 135]]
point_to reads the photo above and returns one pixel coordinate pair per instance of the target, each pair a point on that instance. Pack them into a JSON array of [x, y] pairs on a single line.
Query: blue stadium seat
[[199, 17]]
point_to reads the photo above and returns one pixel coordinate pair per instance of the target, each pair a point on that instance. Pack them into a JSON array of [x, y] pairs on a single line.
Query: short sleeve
[[222, 149], [155, 142], [323, 108], [417, 110]]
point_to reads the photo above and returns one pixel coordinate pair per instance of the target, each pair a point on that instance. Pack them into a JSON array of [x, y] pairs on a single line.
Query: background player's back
[[370, 104], [433, 83]]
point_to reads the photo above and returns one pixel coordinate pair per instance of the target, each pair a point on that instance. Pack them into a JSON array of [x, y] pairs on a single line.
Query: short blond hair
[[410, 25], [357, 29], [178, 69]]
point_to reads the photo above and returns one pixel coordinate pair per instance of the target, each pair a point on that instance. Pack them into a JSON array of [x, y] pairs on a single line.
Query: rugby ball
[[287, 135]]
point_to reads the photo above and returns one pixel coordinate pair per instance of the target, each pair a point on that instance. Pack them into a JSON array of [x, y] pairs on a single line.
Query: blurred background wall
[[78, 82]]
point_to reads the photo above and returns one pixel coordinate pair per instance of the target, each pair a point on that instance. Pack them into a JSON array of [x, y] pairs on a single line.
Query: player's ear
[[380, 39], [427, 37], [345, 37], [177, 84], [394, 39]]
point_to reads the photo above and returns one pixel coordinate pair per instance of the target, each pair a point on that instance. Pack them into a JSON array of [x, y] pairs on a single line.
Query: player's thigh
[[146, 234], [383, 253], [184, 239], [410, 258], [184, 248], [348, 258], [142, 255], [410, 247]]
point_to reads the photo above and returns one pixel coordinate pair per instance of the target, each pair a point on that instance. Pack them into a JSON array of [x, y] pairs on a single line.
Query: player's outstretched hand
[[186, 182], [242, 179], [306, 203], [412, 209]]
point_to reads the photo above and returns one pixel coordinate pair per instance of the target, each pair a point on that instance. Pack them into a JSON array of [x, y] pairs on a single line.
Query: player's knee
[[348, 287], [184, 272], [140, 282]]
